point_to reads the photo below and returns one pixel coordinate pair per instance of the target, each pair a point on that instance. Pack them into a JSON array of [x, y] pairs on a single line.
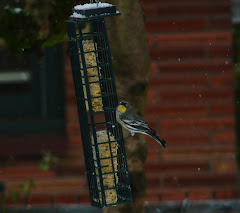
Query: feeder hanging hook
[[97, 1]]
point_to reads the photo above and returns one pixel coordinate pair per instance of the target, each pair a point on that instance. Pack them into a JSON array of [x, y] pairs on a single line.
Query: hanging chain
[[97, 1]]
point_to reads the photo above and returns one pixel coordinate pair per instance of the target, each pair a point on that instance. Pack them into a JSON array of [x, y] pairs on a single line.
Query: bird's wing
[[134, 122]]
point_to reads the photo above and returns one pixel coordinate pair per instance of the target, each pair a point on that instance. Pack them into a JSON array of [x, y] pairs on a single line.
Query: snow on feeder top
[[95, 89]]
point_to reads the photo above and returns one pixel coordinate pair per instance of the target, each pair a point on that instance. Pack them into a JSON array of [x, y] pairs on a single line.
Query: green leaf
[[14, 195], [44, 166], [31, 183], [49, 161], [25, 187]]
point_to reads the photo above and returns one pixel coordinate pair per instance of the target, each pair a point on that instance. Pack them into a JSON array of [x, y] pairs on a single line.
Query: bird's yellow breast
[[121, 108]]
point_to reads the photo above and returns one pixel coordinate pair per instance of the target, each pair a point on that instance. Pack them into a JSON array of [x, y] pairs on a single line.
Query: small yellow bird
[[133, 123]]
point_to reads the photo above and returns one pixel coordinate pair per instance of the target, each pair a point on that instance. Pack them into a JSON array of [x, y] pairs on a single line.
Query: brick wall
[[190, 104], [190, 100]]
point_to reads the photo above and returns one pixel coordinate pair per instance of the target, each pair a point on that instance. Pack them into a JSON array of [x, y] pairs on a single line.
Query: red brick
[[205, 67], [67, 67], [73, 153], [226, 136], [152, 181], [190, 39], [176, 166], [227, 193], [220, 52], [199, 152], [167, 194], [190, 10], [181, 1], [178, 81], [221, 81], [24, 172], [20, 202], [67, 61], [177, 53], [70, 99], [40, 199], [74, 141], [222, 109], [152, 40], [175, 110], [220, 23], [150, 11], [198, 123], [73, 128], [153, 68], [84, 198], [200, 180], [68, 81], [67, 198], [184, 138], [52, 185], [70, 169], [151, 197], [197, 95], [152, 96], [153, 153], [72, 162], [72, 113], [176, 25], [177, 195], [198, 194], [224, 165]]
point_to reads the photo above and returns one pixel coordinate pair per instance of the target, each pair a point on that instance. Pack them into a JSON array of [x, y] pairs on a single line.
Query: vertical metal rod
[[82, 115], [108, 90], [89, 98]]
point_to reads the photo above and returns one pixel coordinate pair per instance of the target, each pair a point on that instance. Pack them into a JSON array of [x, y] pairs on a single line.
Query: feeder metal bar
[[103, 77]]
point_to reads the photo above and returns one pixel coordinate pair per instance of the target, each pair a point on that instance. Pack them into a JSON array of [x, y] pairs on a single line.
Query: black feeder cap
[[99, 10]]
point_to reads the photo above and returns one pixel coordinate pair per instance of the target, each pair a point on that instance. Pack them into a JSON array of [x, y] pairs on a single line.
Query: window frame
[[44, 131]]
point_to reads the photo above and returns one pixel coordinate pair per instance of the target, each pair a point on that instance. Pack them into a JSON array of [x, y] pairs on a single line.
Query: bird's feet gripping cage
[[96, 96]]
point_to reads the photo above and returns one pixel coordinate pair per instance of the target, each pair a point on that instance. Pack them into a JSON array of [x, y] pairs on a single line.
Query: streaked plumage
[[134, 123]]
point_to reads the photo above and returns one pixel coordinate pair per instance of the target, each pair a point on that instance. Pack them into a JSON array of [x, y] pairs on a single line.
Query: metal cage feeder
[[95, 89]]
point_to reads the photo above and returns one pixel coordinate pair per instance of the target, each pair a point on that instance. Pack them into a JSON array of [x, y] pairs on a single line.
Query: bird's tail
[[156, 138]]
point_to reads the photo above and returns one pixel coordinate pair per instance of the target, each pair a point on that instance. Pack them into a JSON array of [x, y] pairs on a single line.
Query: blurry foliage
[[14, 195], [49, 161], [32, 24], [27, 186]]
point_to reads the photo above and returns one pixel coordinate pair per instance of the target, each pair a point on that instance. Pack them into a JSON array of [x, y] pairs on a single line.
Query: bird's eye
[[123, 103]]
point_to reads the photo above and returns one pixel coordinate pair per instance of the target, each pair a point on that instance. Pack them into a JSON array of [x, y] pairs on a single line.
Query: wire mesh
[[96, 96]]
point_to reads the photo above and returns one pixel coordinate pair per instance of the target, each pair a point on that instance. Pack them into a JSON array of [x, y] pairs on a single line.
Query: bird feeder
[[95, 89]]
